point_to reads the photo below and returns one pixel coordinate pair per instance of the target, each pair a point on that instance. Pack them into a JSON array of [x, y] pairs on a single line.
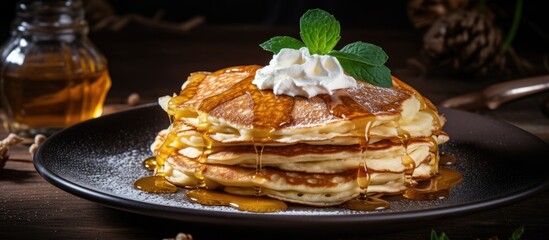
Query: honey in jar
[[51, 75]]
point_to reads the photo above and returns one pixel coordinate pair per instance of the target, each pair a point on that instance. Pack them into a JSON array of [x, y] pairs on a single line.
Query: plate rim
[[343, 221]]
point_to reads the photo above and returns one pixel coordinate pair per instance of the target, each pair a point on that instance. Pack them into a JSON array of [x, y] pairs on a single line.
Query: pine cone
[[423, 13], [467, 42]]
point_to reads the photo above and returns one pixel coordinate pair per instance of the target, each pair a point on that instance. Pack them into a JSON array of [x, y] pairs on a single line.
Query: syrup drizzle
[[157, 183], [184, 96], [149, 163], [271, 112], [342, 105], [407, 161], [258, 178], [370, 203], [203, 126], [447, 159]]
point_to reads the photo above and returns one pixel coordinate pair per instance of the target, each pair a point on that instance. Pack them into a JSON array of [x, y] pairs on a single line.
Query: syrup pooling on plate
[[437, 187], [244, 203], [155, 184]]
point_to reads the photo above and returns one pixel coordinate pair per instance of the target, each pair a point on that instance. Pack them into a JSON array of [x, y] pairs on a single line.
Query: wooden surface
[[156, 63]]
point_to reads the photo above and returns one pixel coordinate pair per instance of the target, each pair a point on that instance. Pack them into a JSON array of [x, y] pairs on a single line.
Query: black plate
[[99, 160]]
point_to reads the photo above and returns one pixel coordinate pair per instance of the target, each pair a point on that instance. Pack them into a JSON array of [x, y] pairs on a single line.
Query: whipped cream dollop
[[298, 73]]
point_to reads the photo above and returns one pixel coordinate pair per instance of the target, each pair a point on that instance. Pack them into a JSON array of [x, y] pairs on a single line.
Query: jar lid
[[50, 16]]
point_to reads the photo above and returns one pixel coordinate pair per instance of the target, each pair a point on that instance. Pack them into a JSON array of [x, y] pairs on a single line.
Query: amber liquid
[[44, 102]]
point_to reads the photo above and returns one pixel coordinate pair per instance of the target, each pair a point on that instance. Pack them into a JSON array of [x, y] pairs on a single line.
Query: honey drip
[[370, 203], [447, 159], [433, 145], [199, 175], [149, 163], [203, 126], [438, 187], [191, 89], [342, 105], [407, 161], [363, 174], [363, 177], [363, 201], [428, 107], [425, 105], [244, 203], [258, 178], [157, 183], [434, 149]]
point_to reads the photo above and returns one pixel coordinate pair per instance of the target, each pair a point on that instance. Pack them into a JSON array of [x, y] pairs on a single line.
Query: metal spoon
[[495, 95]]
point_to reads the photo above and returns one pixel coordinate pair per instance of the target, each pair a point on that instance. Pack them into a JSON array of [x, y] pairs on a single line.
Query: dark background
[[385, 23], [387, 14]]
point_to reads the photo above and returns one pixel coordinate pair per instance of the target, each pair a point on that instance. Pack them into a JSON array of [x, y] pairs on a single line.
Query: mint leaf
[[517, 234], [319, 31], [362, 52], [435, 236], [376, 75], [275, 44]]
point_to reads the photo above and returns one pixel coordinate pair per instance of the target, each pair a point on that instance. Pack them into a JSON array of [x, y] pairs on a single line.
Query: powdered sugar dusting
[[111, 166], [115, 175], [104, 156]]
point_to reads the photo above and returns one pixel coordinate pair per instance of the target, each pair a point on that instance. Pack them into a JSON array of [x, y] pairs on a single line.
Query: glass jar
[[51, 74]]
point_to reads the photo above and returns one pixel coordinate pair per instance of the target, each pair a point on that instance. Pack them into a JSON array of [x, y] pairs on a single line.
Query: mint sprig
[[275, 44], [320, 33]]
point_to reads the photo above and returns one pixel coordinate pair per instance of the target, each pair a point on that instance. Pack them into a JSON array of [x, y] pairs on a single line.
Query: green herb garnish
[[320, 32], [435, 236], [517, 234]]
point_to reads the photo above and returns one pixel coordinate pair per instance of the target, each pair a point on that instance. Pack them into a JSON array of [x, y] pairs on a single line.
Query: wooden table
[[155, 64]]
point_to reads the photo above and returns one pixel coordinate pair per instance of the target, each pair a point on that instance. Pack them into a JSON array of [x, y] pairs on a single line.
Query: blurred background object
[[423, 13], [460, 37], [475, 39], [51, 75], [125, 27]]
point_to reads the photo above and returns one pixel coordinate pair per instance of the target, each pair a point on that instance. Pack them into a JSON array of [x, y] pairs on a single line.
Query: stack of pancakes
[[227, 134]]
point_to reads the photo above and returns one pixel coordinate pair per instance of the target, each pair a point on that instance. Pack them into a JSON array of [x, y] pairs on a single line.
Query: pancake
[[235, 111], [226, 134], [381, 156], [297, 187]]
